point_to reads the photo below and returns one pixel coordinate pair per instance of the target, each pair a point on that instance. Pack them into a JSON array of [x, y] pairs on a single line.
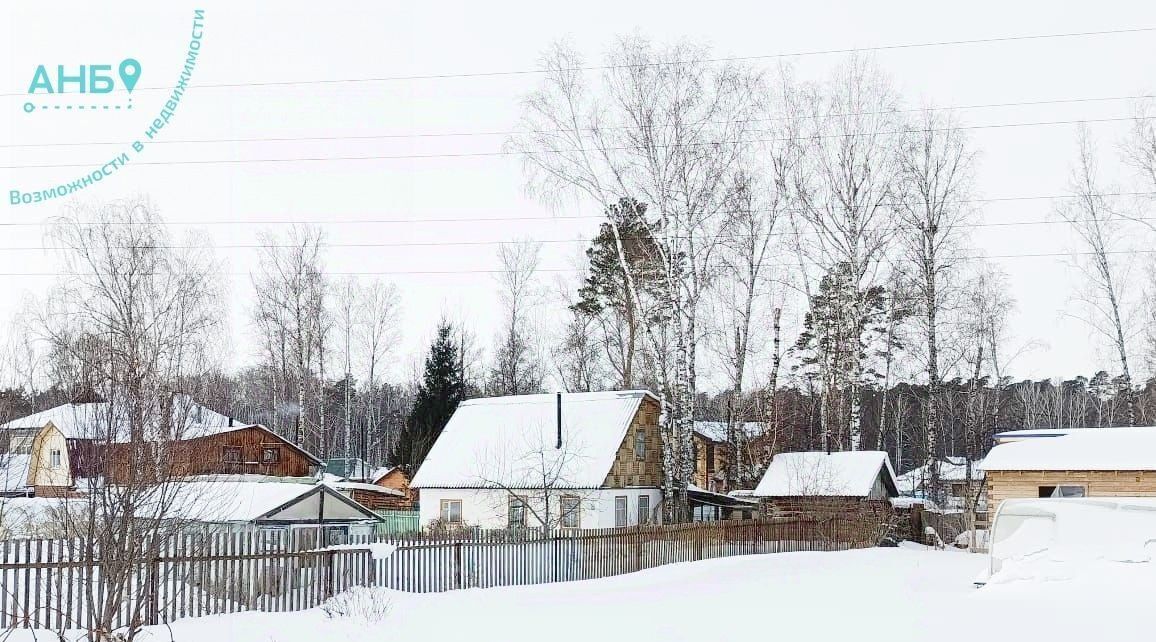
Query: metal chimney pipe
[[558, 446]]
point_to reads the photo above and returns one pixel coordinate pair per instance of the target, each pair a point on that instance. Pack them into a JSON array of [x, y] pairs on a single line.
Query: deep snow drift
[[856, 596]]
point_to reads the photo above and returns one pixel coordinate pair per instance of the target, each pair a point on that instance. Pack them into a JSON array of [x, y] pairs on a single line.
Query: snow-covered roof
[[248, 498], [373, 488], [510, 441], [717, 430], [951, 469], [1089, 449], [837, 474], [1033, 433], [380, 472], [96, 420], [14, 472]]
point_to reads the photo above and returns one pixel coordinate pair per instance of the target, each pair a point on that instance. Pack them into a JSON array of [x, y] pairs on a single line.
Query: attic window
[[270, 454], [640, 444], [231, 454]]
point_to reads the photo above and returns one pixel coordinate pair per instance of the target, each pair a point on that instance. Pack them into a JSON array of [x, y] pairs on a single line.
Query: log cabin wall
[[629, 470], [398, 480], [1010, 484], [234, 452]]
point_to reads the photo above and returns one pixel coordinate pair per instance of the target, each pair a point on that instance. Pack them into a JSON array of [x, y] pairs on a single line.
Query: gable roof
[[92, 421], [380, 473], [96, 420], [1087, 449], [226, 498], [837, 474], [496, 442]]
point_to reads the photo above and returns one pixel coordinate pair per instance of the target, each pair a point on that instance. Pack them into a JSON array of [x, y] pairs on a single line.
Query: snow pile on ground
[[881, 594]]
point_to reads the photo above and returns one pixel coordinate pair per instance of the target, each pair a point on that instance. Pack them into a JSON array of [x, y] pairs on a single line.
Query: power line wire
[[465, 134], [724, 59], [492, 219], [303, 159]]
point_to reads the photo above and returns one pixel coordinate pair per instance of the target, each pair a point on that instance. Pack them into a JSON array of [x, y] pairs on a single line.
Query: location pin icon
[[129, 73]]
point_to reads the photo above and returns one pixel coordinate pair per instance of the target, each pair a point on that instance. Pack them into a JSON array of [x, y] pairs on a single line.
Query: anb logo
[[80, 85]]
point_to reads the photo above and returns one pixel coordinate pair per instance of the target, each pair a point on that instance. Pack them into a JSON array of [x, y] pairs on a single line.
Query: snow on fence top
[[837, 474], [1105, 449], [510, 441]]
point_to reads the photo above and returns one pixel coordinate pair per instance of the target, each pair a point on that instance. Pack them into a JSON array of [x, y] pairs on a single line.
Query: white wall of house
[[49, 465], [489, 508]]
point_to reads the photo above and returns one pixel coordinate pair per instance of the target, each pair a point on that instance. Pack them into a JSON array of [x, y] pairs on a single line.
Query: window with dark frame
[[1062, 491], [571, 511], [451, 511], [231, 454], [640, 444], [643, 509], [270, 454]]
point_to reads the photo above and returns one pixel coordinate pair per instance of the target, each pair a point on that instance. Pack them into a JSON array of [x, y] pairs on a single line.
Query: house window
[[1062, 491], [517, 512], [231, 454], [640, 444], [54, 458], [620, 506], [571, 511], [452, 511], [644, 509], [270, 454]]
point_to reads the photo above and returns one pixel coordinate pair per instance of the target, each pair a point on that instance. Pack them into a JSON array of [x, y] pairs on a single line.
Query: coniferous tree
[[438, 396], [606, 290]]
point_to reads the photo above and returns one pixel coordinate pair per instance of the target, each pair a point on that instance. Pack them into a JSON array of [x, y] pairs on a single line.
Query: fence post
[[154, 603], [458, 583], [329, 576]]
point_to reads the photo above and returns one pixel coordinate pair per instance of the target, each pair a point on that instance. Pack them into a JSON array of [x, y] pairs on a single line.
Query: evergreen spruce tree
[[441, 389]]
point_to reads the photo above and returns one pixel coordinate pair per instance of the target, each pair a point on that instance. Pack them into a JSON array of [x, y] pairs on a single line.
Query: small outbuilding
[[811, 482], [1091, 462]]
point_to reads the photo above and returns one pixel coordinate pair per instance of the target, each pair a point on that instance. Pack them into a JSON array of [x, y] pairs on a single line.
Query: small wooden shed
[[821, 482], [1090, 462]]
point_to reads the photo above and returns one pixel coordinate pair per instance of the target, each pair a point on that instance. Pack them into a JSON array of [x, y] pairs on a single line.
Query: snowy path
[[860, 596]]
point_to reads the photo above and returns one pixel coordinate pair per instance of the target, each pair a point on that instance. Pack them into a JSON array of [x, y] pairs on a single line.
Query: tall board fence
[[57, 584]]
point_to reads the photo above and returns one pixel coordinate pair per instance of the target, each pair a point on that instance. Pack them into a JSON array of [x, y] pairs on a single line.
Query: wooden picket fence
[[53, 584]]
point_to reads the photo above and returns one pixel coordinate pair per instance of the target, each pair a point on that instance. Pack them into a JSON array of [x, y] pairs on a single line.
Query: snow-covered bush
[[359, 603]]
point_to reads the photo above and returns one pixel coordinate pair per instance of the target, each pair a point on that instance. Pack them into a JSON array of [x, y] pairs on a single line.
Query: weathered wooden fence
[[54, 584]]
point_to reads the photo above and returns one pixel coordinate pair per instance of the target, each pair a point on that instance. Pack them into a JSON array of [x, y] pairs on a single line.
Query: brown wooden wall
[[380, 501], [1003, 484], [206, 456], [398, 480], [628, 470], [710, 463]]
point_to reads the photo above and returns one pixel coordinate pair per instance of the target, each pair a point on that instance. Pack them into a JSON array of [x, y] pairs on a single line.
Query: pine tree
[[606, 287], [438, 395]]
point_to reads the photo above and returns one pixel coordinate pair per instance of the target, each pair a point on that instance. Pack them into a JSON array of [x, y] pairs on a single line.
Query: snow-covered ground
[[890, 594]]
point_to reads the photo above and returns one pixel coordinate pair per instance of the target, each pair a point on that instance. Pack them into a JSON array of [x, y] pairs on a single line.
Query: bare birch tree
[[1096, 222], [935, 179], [140, 317], [846, 188], [290, 289], [666, 128], [517, 366]]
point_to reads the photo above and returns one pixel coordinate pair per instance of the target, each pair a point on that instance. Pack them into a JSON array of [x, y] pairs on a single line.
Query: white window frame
[[570, 518], [621, 509], [54, 458], [446, 513], [640, 444]]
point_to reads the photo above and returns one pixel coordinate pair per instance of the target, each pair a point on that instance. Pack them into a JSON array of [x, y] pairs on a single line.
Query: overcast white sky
[[246, 44]]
